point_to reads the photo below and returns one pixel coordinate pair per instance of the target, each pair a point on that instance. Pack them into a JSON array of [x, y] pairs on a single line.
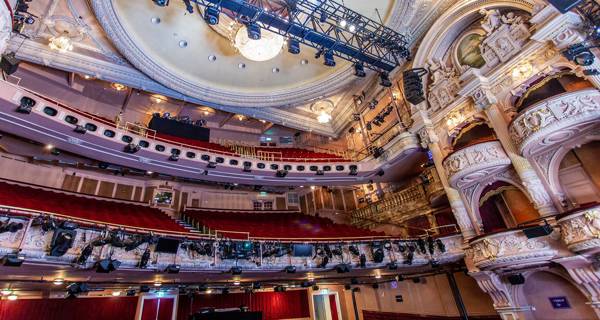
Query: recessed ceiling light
[[304, 61], [58, 281], [183, 44], [212, 58], [155, 20], [275, 70], [242, 65]]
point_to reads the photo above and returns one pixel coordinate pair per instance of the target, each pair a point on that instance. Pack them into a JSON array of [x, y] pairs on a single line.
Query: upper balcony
[[580, 229], [53, 123], [554, 120], [474, 162]]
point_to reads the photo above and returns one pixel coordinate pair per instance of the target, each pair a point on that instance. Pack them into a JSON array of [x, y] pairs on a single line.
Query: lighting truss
[[590, 10], [325, 25]]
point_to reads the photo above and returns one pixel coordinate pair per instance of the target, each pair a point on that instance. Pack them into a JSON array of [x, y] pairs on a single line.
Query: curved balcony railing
[[512, 248], [472, 163], [580, 230], [554, 120]]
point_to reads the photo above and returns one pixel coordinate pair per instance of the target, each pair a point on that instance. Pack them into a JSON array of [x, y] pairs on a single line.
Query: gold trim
[[539, 85]]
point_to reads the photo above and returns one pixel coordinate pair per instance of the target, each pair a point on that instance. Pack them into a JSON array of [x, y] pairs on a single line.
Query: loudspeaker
[[9, 63], [515, 279], [564, 5], [413, 86], [538, 231]]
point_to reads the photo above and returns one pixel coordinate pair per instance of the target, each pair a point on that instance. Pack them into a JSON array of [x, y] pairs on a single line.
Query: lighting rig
[[325, 25], [580, 52]]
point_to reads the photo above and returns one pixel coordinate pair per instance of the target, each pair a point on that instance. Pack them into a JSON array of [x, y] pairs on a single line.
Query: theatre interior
[[299, 159]]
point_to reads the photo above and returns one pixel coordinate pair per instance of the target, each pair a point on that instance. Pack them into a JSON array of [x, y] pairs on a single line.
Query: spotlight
[[161, 3], [293, 46], [58, 281], [320, 172], [363, 260], [359, 70], [279, 289], [392, 265], [107, 265], [328, 59], [342, 268], [131, 148], [143, 264], [130, 293], [315, 287], [290, 269], [375, 285], [347, 287], [85, 254], [256, 285], [253, 31], [247, 166], [173, 157], [211, 15], [62, 241], [173, 268], [9, 63], [211, 165], [353, 170], [236, 271], [281, 173], [13, 260], [76, 288], [25, 105], [580, 54], [323, 17], [80, 129], [324, 262], [384, 80]]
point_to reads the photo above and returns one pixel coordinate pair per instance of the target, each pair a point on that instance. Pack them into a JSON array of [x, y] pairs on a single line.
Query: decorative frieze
[[580, 231]]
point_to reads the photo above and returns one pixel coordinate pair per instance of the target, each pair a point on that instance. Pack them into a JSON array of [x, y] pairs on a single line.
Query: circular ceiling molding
[[154, 48]]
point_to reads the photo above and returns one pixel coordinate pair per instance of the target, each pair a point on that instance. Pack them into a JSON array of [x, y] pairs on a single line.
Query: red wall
[[69, 309], [274, 305]]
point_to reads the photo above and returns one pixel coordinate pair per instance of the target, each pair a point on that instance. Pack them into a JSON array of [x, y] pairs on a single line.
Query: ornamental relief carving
[[470, 164], [444, 85], [581, 230], [506, 35], [555, 119], [511, 245]]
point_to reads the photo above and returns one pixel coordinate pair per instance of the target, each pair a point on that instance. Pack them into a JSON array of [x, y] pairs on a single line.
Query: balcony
[[513, 249], [555, 120], [580, 230], [475, 162]]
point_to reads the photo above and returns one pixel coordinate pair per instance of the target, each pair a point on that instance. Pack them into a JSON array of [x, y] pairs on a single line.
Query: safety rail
[[412, 194]]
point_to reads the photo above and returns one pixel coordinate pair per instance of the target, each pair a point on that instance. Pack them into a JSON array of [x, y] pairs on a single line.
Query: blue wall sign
[[559, 302]]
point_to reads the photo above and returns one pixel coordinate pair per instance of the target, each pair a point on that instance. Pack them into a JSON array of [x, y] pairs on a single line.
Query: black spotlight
[[247, 166], [80, 129], [384, 80], [353, 281], [293, 46], [279, 289], [9, 63], [281, 173], [324, 262], [131, 148], [62, 241], [143, 264], [161, 3], [107, 265], [353, 170], [256, 285], [173, 268], [328, 59], [13, 260], [580, 54], [359, 70], [320, 172], [363, 260], [211, 165], [236, 271], [76, 288], [342, 268], [392, 265], [253, 31], [290, 269], [144, 289], [130, 293], [174, 156], [25, 105], [211, 15]]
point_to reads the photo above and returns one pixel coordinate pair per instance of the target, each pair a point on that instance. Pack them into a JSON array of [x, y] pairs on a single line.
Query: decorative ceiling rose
[[207, 111], [158, 98], [61, 44], [118, 86], [266, 48], [323, 109]]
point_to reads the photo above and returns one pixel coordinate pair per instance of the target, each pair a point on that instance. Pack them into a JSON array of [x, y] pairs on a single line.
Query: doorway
[[326, 306]]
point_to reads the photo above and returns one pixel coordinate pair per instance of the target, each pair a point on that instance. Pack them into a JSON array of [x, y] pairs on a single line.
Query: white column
[[536, 190], [463, 218], [5, 26]]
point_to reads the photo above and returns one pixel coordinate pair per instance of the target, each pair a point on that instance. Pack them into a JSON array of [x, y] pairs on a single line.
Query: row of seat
[[277, 225], [101, 211]]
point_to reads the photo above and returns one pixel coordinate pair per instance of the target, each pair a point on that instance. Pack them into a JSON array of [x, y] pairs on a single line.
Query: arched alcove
[[579, 173], [473, 133], [541, 288], [502, 206], [549, 86]]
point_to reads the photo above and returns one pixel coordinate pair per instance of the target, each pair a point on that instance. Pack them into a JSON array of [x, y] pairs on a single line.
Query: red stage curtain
[[165, 309], [273, 305], [149, 309], [122, 308], [333, 307]]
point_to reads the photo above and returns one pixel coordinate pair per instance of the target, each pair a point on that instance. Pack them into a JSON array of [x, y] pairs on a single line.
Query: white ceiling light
[[12, 297], [266, 48], [61, 44], [323, 109], [324, 117]]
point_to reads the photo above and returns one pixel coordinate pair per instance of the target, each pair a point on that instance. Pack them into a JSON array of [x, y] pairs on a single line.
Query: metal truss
[[325, 25]]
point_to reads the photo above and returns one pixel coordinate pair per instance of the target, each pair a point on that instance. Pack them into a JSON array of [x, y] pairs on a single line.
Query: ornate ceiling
[[171, 52]]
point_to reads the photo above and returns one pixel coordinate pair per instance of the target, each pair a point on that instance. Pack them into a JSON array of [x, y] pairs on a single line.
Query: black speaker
[[564, 5], [538, 231], [9, 63], [413, 86], [515, 279]]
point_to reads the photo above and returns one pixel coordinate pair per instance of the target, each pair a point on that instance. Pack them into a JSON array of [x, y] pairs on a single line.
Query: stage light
[[12, 297], [209, 291], [253, 31], [80, 129], [236, 282], [76, 288], [58, 281], [359, 70], [236, 271], [13, 260], [62, 241], [116, 293], [384, 80], [290, 269], [353, 170], [173, 268], [6, 292], [580, 54], [342, 268], [281, 173], [107, 265], [378, 276], [256, 285], [211, 15], [130, 293], [211, 165], [343, 23], [293, 46], [173, 157], [131, 148], [157, 283], [363, 260], [328, 59], [26, 104], [392, 265], [320, 172], [352, 28], [161, 3], [279, 289], [143, 264], [323, 17]]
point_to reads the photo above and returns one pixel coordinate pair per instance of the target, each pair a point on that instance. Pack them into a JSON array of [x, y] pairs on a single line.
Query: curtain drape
[[333, 307], [273, 305], [121, 308]]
